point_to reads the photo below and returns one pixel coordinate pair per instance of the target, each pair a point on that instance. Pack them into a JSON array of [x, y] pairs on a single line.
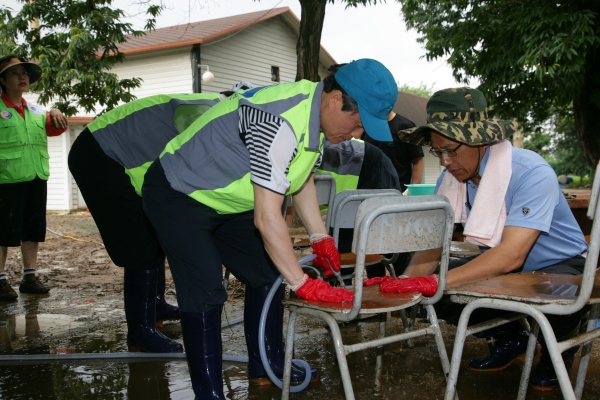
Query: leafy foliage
[[309, 39], [422, 90], [532, 57], [566, 150], [76, 45], [538, 141]]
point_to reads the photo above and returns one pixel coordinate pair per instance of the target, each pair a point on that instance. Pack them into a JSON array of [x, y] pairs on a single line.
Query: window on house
[[275, 74]]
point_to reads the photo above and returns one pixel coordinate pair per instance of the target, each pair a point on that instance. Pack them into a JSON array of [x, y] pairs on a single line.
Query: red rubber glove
[[318, 290], [324, 248], [423, 284], [377, 280]]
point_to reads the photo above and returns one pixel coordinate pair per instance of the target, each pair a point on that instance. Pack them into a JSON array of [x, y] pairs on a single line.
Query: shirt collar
[[9, 102]]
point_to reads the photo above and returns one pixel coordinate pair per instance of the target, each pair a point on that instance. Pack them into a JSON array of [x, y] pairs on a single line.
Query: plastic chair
[[384, 224], [535, 295]]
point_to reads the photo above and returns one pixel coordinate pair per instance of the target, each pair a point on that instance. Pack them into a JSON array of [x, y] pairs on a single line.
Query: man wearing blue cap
[[215, 198]]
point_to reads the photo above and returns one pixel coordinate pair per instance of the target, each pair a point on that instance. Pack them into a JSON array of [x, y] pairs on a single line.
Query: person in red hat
[[24, 170]]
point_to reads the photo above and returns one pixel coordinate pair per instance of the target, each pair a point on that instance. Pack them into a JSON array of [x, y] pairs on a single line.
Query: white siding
[[249, 56], [163, 72], [77, 201], [59, 183]]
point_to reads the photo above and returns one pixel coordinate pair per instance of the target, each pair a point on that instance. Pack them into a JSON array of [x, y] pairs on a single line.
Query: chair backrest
[[325, 185], [591, 261], [342, 212], [394, 224]]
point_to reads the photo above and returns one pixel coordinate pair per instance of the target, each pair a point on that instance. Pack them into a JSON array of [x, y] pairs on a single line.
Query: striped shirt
[[272, 145]]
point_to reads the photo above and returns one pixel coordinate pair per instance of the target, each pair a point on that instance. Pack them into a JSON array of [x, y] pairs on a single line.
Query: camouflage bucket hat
[[460, 114]]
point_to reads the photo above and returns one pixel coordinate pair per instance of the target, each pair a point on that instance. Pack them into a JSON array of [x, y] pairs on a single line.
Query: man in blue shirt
[[528, 223]]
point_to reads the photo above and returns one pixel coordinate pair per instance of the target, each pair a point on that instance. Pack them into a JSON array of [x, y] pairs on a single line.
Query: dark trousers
[[23, 212], [561, 324], [128, 235], [198, 242]]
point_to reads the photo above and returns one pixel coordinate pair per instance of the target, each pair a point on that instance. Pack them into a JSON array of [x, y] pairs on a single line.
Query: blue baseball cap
[[375, 91]]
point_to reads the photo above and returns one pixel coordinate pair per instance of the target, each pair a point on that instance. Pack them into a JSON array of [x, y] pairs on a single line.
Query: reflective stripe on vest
[[135, 133], [23, 144], [343, 161], [210, 163]]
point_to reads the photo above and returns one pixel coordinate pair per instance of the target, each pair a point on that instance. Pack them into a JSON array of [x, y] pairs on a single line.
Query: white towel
[[488, 215]]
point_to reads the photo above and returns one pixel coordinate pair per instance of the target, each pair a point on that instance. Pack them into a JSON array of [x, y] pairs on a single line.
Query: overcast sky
[[365, 32]]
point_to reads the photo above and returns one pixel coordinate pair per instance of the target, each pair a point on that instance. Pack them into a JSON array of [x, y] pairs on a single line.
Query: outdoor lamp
[[207, 76]]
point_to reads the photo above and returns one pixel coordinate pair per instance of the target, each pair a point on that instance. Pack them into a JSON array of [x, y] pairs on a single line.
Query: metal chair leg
[[586, 353], [338, 346], [406, 326], [531, 345], [439, 341], [289, 352], [459, 343], [555, 354], [379, 359]]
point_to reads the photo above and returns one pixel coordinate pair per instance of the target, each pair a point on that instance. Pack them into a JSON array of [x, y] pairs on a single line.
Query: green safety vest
[[23, 144], [343, 161], [210, 163], [135, 133]]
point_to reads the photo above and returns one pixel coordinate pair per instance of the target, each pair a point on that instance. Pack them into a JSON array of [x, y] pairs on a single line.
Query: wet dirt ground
[[83, 313]]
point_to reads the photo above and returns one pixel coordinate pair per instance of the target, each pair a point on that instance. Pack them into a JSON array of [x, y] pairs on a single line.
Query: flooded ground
[[83, 313]]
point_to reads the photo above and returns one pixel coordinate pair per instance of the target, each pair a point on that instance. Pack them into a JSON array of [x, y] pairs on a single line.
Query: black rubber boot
[[253, 305], [508, 347], [543, 377], [164, 310], [202, 340], [139, 290]]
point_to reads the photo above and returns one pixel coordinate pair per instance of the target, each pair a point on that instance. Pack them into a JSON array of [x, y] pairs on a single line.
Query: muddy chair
[[384, 224], [341, 215], [531, 294]]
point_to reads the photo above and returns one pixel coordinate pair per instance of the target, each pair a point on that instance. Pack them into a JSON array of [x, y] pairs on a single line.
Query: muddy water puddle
[[64, 323]]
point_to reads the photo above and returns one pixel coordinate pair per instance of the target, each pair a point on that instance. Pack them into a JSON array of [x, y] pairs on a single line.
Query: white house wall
[[249, 56], [163, 71]]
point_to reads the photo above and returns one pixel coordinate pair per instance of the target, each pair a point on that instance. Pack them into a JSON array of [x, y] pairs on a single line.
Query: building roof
[[207, 31], [412, 107]]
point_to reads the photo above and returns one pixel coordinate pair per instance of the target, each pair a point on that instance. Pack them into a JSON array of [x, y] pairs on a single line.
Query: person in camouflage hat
[[515, 191], [460, 114]]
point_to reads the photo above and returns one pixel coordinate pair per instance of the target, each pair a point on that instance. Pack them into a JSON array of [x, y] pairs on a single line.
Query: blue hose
[[261, 335]]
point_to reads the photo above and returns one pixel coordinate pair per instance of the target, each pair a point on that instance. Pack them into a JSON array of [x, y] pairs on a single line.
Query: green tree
[[422, 90], [309, 39], [538, 141], [76, 44], [566, 150], [532, 56]]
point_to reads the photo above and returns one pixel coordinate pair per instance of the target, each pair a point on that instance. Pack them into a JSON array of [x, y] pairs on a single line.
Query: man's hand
[[57, 118], [323, 247], [423, 284], [318, 290]]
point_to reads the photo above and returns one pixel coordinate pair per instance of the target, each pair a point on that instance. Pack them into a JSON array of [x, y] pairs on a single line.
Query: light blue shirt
[[534, 200]]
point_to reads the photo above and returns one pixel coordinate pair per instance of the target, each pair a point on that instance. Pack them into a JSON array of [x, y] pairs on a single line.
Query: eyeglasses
[[447, 153], [17, 73]]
